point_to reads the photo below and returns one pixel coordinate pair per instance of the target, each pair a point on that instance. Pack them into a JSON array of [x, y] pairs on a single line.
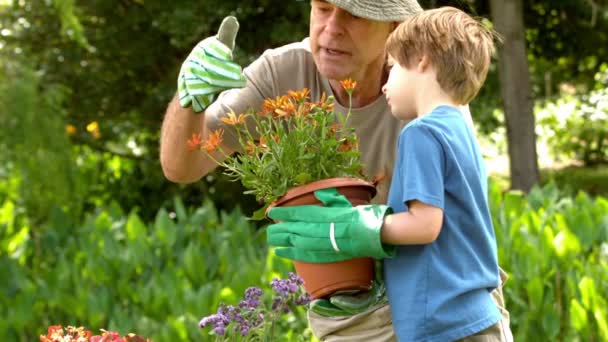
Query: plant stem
[[271, 330]]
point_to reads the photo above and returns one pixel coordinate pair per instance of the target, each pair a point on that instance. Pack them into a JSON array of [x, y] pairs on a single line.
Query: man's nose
[[384, 88], [337, 21]]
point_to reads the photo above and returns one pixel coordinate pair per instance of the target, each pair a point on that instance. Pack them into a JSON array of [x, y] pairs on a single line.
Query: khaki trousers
[[375, 324]]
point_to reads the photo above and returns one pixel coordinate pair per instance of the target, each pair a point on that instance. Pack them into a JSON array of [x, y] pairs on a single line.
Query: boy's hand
[[209, 69], [332, 233]]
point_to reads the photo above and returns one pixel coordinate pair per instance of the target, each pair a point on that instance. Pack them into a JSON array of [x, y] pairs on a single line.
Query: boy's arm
[[419, 225]]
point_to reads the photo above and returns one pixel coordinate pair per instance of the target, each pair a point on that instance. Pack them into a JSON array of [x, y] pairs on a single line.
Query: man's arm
[[206, 72], [180, 164]]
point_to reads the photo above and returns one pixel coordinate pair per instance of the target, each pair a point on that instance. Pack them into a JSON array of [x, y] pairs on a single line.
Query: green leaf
[[566, 244], [136, 229], [550, 320], [588, 294], [259, 214], [534, 288], [164, 228], [578, 315], [600, 314], [227, 295], [180, 210]]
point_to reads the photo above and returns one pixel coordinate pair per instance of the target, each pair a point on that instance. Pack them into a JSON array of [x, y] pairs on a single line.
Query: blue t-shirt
[[441, 291]]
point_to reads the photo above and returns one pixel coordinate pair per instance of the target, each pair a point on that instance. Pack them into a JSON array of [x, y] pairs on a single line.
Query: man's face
[[344, 45]]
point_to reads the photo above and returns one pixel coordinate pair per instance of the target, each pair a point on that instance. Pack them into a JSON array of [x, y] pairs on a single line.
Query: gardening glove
[[334, 232], [209, 69], [349, 304]]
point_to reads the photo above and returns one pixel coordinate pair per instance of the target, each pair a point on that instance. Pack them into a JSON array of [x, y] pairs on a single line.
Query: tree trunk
[[516, 91]]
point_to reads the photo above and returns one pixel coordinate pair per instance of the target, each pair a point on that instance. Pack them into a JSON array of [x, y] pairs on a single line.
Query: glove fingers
[[201, 60], [227, 31], [324, 308], [309, 213], [307, 256], [301, 229], [332, 198], [354, 303]]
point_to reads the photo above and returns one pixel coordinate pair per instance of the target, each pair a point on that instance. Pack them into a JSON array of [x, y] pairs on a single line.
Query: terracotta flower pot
[[323, 279]]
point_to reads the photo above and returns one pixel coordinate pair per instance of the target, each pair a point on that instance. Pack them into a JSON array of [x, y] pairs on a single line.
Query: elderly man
[[346, 40]]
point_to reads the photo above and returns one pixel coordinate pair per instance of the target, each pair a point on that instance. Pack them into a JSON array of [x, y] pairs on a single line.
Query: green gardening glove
[[348, 304], [334, 232], [209, 69]]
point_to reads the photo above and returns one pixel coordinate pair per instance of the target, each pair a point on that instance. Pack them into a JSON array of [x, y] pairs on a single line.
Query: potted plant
[[290, 148]]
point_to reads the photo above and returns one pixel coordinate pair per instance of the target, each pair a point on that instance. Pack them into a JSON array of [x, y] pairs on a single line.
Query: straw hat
[[380, 10]]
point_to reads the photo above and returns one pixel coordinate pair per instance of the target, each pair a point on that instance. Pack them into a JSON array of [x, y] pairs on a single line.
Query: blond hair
[[459, 47]]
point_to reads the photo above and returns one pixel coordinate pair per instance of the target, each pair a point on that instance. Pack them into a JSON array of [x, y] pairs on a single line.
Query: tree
[[516, 92]]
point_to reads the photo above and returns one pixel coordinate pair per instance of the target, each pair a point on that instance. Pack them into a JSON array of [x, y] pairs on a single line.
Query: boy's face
[[400, 90]]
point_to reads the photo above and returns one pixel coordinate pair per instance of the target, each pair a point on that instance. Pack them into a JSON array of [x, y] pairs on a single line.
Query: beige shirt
[[291, 67]]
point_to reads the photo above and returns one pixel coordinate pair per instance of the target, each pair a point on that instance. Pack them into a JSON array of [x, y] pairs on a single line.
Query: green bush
[[159, 278], [555, 250], [572, 179], [114, 271], [576, 126]]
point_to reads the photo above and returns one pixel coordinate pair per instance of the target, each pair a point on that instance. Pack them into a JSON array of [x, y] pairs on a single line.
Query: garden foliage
[[158, 279], [114, 271], [555, 249], [576, 126]]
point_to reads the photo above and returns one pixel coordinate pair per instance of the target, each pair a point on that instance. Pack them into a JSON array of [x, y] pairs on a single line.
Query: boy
[[445, 267], [439, 246]]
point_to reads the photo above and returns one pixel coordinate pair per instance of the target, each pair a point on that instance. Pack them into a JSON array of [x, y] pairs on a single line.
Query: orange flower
[[348, 85], [333, 128], [234, 119], [380, 177], [323, 103], [287, 108], [195, 142], [299, 96], [214, 141], [262, 144], [70, 129], [270, 106], [348, 145], [250, 148]]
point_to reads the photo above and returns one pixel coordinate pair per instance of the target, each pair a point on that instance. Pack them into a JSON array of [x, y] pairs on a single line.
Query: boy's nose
[[384, 88]]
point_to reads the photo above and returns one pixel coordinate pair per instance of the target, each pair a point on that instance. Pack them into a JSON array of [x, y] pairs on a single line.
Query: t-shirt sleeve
[[259, 87], [422, 166]]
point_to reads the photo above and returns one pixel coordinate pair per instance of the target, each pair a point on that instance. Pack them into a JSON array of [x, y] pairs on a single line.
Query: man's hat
[[380, 10]]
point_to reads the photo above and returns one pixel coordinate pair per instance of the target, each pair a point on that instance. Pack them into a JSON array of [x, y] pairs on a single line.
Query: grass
[[572, 179]]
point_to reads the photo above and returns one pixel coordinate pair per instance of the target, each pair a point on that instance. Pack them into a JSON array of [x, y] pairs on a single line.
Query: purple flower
[[220, 330], [219, 322], [252, 298], [295, 279], [303, 299], [250, 315]]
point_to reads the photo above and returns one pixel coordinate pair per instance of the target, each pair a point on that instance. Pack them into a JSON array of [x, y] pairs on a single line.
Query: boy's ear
[[423, 63], [394, 25]]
